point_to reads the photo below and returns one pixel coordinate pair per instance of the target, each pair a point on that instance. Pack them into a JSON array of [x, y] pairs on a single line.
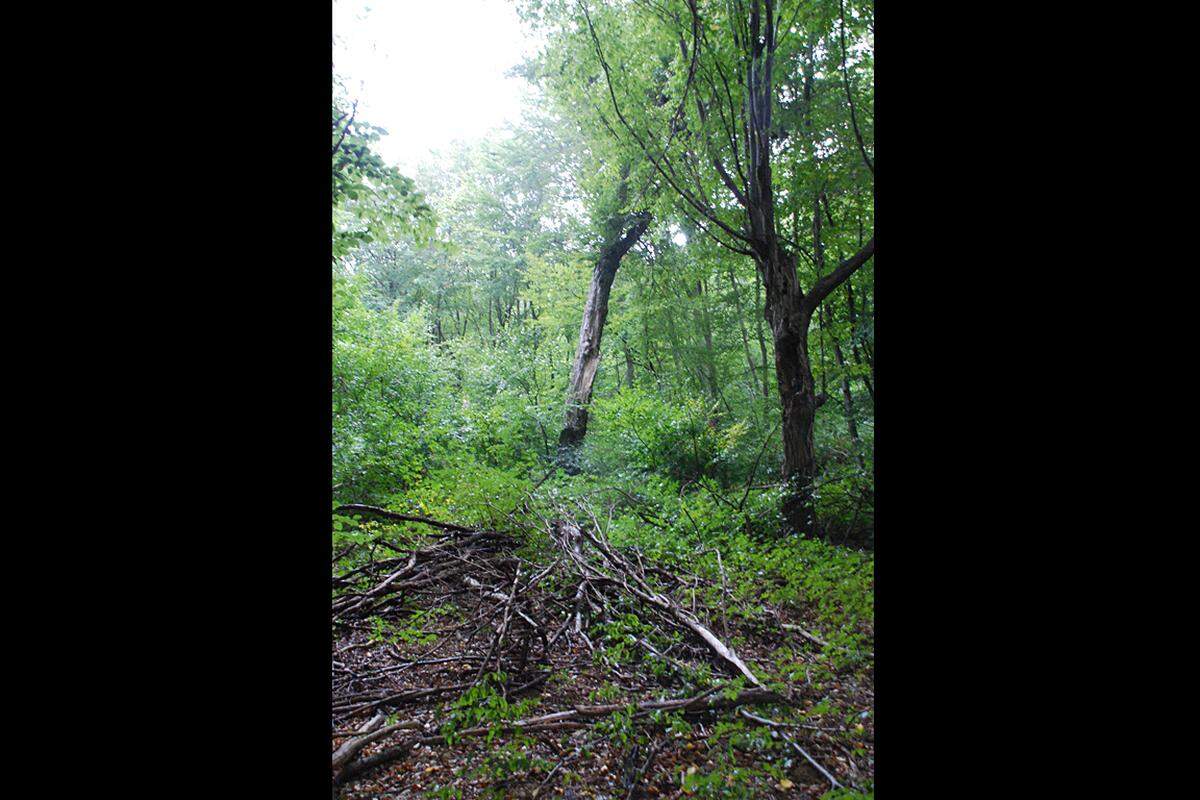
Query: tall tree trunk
[[854, 339], [848, 405], [673, 340], [788, 318], [587, 354], [786, 312], [737, 299], [789, 313], [628, 364], [762, 340], [704, 320]]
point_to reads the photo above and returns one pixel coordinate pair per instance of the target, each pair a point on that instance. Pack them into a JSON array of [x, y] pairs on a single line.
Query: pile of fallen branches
[[521, 612]]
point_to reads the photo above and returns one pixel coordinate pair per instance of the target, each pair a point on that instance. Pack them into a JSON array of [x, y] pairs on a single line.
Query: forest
[[603, 419]]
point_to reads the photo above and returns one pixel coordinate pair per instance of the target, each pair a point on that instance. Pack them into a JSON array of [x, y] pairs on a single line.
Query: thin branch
[[346, 129], [849, 95], [703, 209], [828, 283], [772, 723]]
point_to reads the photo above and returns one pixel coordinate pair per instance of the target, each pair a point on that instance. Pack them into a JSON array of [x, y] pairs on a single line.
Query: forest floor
[[549, 662]]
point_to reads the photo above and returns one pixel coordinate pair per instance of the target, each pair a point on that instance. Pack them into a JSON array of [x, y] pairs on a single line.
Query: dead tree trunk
[[587, 354]]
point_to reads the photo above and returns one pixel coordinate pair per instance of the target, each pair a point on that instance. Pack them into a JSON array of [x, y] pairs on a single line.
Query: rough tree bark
[[789, 312], [624, 234]]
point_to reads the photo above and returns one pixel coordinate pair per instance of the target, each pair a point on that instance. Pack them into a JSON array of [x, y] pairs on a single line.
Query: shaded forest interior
[[603, 420]]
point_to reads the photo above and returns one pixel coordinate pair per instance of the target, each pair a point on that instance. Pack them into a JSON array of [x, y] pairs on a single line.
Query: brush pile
[[445, 642]]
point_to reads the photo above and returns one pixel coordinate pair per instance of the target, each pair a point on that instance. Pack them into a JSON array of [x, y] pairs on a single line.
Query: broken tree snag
[[624, 232]]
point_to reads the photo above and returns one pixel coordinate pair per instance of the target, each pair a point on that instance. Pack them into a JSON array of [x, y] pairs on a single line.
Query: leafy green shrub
[[634, 432], [384, 396]]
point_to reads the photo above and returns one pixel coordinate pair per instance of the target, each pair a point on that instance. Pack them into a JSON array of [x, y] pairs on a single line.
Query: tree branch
[[346, 129], [704, 210], [844, 270], [846, 82]]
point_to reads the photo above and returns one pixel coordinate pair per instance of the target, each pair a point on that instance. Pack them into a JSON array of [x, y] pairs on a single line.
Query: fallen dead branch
[[633, 580], [576, 717], [398, 517], [634, 776], [351, 747], [772, 723], [797, 629]]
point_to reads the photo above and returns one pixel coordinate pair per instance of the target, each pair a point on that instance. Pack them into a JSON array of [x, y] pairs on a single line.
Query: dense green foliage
[[372, 201], [456, 350], [456, 315]]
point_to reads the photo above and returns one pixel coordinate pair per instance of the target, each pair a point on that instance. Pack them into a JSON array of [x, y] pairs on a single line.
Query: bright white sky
[[430, 72]]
